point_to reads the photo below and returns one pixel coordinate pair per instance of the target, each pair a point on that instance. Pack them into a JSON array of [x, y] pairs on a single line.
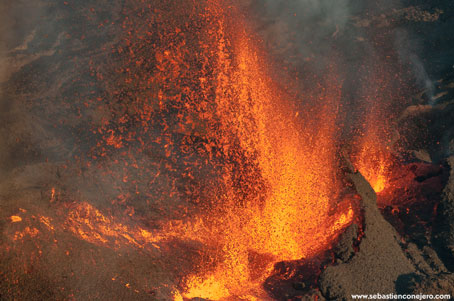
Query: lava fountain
[[191, 99], [182, 161], [289, 217]]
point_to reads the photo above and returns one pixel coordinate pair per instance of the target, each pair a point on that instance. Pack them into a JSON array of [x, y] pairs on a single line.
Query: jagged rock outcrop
[[377, 265], [443, 235]]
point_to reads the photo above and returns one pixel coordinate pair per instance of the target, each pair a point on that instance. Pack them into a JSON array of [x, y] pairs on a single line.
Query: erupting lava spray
[[288, 217], [372, 150], [161, 151], [201, 150]]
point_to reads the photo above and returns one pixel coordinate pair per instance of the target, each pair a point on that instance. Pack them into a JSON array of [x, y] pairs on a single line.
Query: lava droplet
[[15, 219]]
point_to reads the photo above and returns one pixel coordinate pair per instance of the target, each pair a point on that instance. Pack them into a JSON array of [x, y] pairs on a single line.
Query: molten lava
[[15, 219], [199, 129], [289, 218], [275, 184], [374, 162]]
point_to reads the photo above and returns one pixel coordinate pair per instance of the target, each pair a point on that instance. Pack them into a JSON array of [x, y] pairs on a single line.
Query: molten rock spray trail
[[194, 114], [275, 174], [250, 226]]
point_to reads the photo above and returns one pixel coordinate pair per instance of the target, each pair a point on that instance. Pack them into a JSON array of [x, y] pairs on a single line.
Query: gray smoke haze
[[407, 49], [308, 23], [323, 31], [304, 32], [18, 21], [366, 40]]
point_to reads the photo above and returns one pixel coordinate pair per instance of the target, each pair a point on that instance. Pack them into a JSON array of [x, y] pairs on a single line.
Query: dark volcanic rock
[[443, 235], [435, 284], [312, 295], [425, 261], [377, 265], [344, 249]]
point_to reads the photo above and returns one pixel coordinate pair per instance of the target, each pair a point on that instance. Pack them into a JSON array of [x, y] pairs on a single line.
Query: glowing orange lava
[[274, 194], [15, 219], [371, 153], [290, 219], [374, 163], [199, 161], [276, 191]]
